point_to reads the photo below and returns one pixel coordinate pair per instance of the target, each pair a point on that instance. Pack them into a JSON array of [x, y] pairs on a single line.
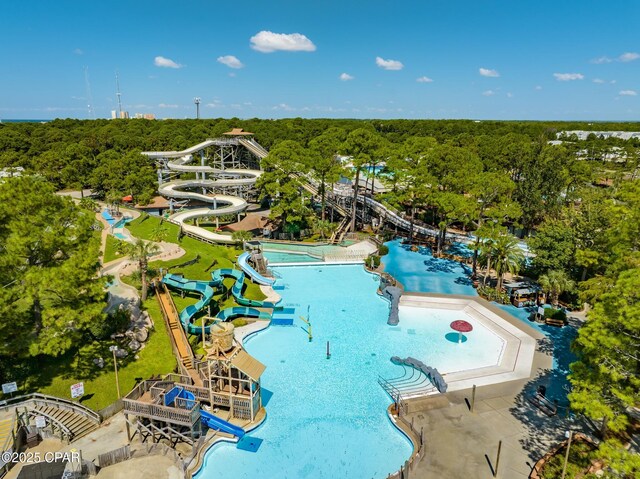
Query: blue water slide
[[214, 422], [178, 392], [252, 273]]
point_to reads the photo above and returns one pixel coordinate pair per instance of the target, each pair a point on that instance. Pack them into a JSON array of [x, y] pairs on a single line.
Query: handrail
[[31, 412], [54, 401]]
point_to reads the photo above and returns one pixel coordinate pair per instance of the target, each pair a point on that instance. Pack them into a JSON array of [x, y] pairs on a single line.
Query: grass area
[[112, 249], [210, 257], [55, 376]]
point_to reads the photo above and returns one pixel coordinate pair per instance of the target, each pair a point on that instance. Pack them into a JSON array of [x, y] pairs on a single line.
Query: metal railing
[[39, 399]]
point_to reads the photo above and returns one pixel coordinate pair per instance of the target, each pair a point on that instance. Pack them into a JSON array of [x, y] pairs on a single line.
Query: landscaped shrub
[[491, 294], [383, 250], [114, 322], [555, 314], [375, 259]]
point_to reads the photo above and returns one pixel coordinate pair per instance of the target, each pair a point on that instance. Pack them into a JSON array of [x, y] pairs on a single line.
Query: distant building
[[584, 134], [124, 115], [114, 114], [144, 116]]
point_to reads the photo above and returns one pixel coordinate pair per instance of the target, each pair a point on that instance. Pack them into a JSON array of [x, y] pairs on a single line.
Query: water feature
[[326, 418]]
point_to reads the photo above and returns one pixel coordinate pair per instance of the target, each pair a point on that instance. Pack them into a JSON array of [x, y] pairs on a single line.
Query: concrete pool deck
[[518, 338], [461, 443]]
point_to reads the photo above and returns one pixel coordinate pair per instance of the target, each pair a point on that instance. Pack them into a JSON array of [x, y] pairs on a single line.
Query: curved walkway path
[[120, 292]]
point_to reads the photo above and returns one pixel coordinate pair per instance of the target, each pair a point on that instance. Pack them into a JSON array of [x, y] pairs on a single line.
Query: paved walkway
[[109, 436], [461, 444], [120, 292]]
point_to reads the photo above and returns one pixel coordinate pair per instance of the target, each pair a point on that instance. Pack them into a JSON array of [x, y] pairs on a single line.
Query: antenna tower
[[118, 95], [87, 85], [196, 100]]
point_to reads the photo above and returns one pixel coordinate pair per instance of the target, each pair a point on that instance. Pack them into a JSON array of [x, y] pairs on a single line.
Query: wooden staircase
[[74, 424]]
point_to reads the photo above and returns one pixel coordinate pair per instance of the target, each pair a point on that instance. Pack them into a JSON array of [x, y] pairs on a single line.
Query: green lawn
[[210, 257], [112, 249], [55, 376]]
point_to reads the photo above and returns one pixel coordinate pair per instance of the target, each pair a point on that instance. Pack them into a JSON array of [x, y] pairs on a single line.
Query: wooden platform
[[178, 334]]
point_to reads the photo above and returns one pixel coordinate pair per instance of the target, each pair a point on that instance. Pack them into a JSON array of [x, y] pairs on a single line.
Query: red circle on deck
[[461, 326]]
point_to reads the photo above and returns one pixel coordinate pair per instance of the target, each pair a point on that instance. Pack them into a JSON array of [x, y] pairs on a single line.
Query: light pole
[[113, 349], [569, 435], [196, 100]]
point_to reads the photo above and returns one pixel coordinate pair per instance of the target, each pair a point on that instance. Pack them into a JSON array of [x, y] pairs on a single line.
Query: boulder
[[122, 353], [141, 335], [98, 362], [134, 345]]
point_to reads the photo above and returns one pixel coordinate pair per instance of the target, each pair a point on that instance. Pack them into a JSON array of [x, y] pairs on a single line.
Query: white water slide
[[220, 204]]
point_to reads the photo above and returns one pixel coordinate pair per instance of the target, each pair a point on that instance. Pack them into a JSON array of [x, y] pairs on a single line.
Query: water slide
[[214, 422], [203, 288], [236, 290], [254, 147], [209, 420], [206, 290], [252, 273], [180, 161]]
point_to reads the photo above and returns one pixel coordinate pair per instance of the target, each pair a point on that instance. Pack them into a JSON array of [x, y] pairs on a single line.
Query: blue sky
[[485, 59]]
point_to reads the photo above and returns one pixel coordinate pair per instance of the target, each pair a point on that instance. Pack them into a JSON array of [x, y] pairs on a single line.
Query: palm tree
[[140, 251], [556, 282], [486, 252], [323, 228], [241, 237], [159, 233], [508, 257]]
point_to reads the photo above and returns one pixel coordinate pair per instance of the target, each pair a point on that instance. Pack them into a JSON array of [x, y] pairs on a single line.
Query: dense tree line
[[50, 295]]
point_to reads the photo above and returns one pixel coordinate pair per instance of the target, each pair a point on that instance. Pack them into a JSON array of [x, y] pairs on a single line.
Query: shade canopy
[[461, 326]]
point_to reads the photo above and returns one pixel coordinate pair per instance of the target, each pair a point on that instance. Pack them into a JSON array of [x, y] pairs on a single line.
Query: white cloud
[[283, 106], [488, 93], [568, 76], [486, 72], [78, 51], [424, 80], [601, 60], [165, 105], [598, 80], [628, 93], [389, 64], [629, 56], [230, 61], [346, 77], [613, 82], [509, 95], [232, 74], [268, 42], [538, 87], [163, 62]]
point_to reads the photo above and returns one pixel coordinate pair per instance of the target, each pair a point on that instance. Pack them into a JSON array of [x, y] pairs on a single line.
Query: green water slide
[[219, 274], [206, 290]]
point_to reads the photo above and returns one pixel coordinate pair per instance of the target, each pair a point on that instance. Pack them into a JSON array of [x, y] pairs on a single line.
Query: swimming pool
[[282, 257], [326, 418], [420, 271]]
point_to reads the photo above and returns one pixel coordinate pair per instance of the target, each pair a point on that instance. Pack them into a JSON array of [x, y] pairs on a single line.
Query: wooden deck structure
[[228, 382]]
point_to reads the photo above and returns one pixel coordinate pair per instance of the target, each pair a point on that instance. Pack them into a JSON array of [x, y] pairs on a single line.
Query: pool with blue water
[[326, 418], [419, 271]]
